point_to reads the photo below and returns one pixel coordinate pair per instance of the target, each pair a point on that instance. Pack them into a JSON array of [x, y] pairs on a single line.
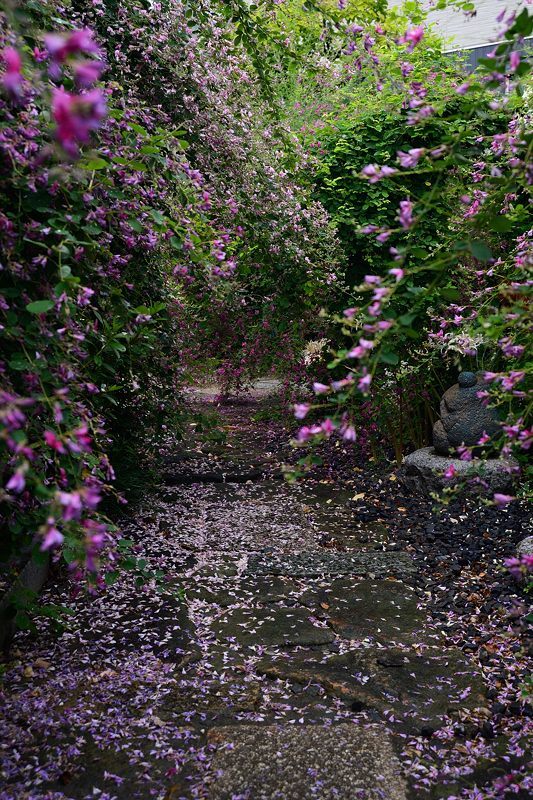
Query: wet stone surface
[[306, 763], [286, 654], [280, 626], [386, 611], [421, 690], [310, 564]]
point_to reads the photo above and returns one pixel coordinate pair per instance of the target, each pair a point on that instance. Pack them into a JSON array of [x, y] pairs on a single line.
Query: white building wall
[[481, 29], [462, 31]]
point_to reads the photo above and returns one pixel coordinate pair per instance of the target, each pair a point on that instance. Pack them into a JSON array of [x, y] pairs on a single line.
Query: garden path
[[297, 667]]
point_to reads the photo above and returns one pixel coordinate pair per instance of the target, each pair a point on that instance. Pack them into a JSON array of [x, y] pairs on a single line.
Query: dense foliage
[[148, 198], [436, 170], [192, 187]]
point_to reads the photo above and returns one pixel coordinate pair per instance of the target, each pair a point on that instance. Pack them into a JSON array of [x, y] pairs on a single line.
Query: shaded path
[[290, 669]]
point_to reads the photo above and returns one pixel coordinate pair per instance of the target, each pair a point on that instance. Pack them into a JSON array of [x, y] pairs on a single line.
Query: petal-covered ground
[[327, 639]]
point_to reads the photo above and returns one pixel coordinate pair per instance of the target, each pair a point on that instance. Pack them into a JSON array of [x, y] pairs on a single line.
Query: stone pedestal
[[423, 470]]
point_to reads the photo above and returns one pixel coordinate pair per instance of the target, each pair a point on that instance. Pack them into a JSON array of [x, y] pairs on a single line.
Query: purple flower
[[54, 442], [17, 482], [502, 499], [375, 173], [411, 158], [76, 116], [412, 37], [60, 47], [349, 434], [397, 272], [87, 72], [52, 537], [364, 382], [301, 410], [405, 215], [12, 77], [360, 351], [320, 388], [514, 61], [72, 505]]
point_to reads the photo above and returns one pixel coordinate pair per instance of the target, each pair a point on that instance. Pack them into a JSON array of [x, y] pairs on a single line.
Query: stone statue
[[463, 417]]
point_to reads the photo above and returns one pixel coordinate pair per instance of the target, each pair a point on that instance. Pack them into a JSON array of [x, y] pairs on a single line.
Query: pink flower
[[349, 313], [463, 88], [361, 349], [349, 434], [17, 482], [301, 410], [87, 72], [484, 438], [364, 383], [60, 47], [411, 158], [502, 499], [397, 273], [465, 453], [12, 77], [450, 472], [375, 173], [54, 442], [320, 388], [412, 37], [82, 441], [372, 280], [72, 505], [304, 434], [76, 116], [52, 537], [509, 381], [328, 426], [514, 61], [405, 214]]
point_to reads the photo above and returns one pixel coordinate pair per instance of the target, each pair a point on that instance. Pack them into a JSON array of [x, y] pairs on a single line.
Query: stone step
[[284, 627], [419, 690], [341, 762], [312, 563], [305, 563]]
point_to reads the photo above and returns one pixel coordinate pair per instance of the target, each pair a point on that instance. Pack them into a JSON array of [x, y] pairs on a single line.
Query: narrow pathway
[[273, 666]]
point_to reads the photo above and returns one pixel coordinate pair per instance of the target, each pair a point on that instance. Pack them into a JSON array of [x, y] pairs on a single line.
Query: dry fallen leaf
[[358, 496]]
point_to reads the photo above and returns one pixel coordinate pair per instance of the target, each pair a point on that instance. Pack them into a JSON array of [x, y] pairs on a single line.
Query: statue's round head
[[466, 379]]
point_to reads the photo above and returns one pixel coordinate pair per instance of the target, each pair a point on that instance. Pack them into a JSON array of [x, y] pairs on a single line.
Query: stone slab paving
[[384, 610], [311, 563], [421, 688], [271, 626], [342, 762]]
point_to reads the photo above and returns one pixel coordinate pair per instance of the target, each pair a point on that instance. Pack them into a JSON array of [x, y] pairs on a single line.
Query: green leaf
[[387, 357], [480, 251], [406, 319], [501, 224], [40, 306], [157, 216], [450, 293], [95, 164], [138, 129]]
